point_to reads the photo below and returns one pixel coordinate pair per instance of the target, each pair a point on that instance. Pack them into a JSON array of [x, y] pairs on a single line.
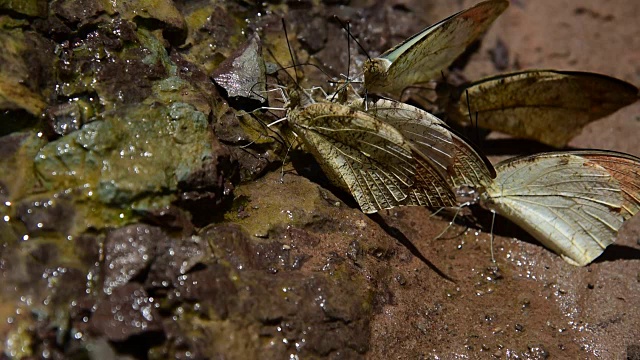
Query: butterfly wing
[[471, 168], [548, 106], [421, 57], [366, 157], [439, 145], [571, 202], [626, 170], [422, 130]]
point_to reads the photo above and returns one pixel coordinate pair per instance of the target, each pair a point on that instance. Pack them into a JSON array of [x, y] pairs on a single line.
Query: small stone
[[401, 279], [538, 351], [128, 312]]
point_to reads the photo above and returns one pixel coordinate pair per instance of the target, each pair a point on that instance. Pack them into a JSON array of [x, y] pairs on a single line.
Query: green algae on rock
[[136, 152]]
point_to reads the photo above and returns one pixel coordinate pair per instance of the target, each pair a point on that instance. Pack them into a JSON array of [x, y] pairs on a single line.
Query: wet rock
[[289, 310], [233, 243], [314, 36], [242, 75], [195, 88], [128, 311], [80, 12], [150, 12], [175, 258], [212, 288], [215, 30], [171, 218], [128, 252], [26, 7], [633, 352], [19, 342], [87, 248], [19, 88], [267, 214], [63, 119], [116, 61], [46, 215], [177, 145], [537, 351], [17, 154]]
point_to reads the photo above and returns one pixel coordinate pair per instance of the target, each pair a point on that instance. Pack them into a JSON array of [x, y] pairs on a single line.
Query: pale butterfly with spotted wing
[[573, 202]]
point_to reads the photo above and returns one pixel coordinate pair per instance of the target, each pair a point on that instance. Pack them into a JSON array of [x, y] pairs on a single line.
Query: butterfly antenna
[[469, 107], [493, 220], [348, 29], [293, 59], [256, 92], [477, 129], [475, 126], [353, 37]]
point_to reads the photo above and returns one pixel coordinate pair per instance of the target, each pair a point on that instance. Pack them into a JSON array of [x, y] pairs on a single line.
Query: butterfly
[[545, 105], [368, 157], [454, 156], [422, 57], [573, 202]]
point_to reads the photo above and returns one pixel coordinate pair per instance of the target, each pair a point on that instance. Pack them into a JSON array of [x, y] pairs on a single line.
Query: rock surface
[[143, 216]]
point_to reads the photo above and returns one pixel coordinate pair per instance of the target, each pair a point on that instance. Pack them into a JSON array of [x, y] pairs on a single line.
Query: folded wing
[[572, 202], [548, 106], [421, 57], [368, 158]]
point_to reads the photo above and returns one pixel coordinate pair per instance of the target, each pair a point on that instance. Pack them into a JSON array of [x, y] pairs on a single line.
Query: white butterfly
[[421, 57], [573, 202]]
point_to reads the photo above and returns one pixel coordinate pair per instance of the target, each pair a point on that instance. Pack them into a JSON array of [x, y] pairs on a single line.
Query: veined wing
[[548, 106], [421, 57], [572, 202], [423, 131], [624, 168], [471, 168], [435, 142], [366, 157]]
